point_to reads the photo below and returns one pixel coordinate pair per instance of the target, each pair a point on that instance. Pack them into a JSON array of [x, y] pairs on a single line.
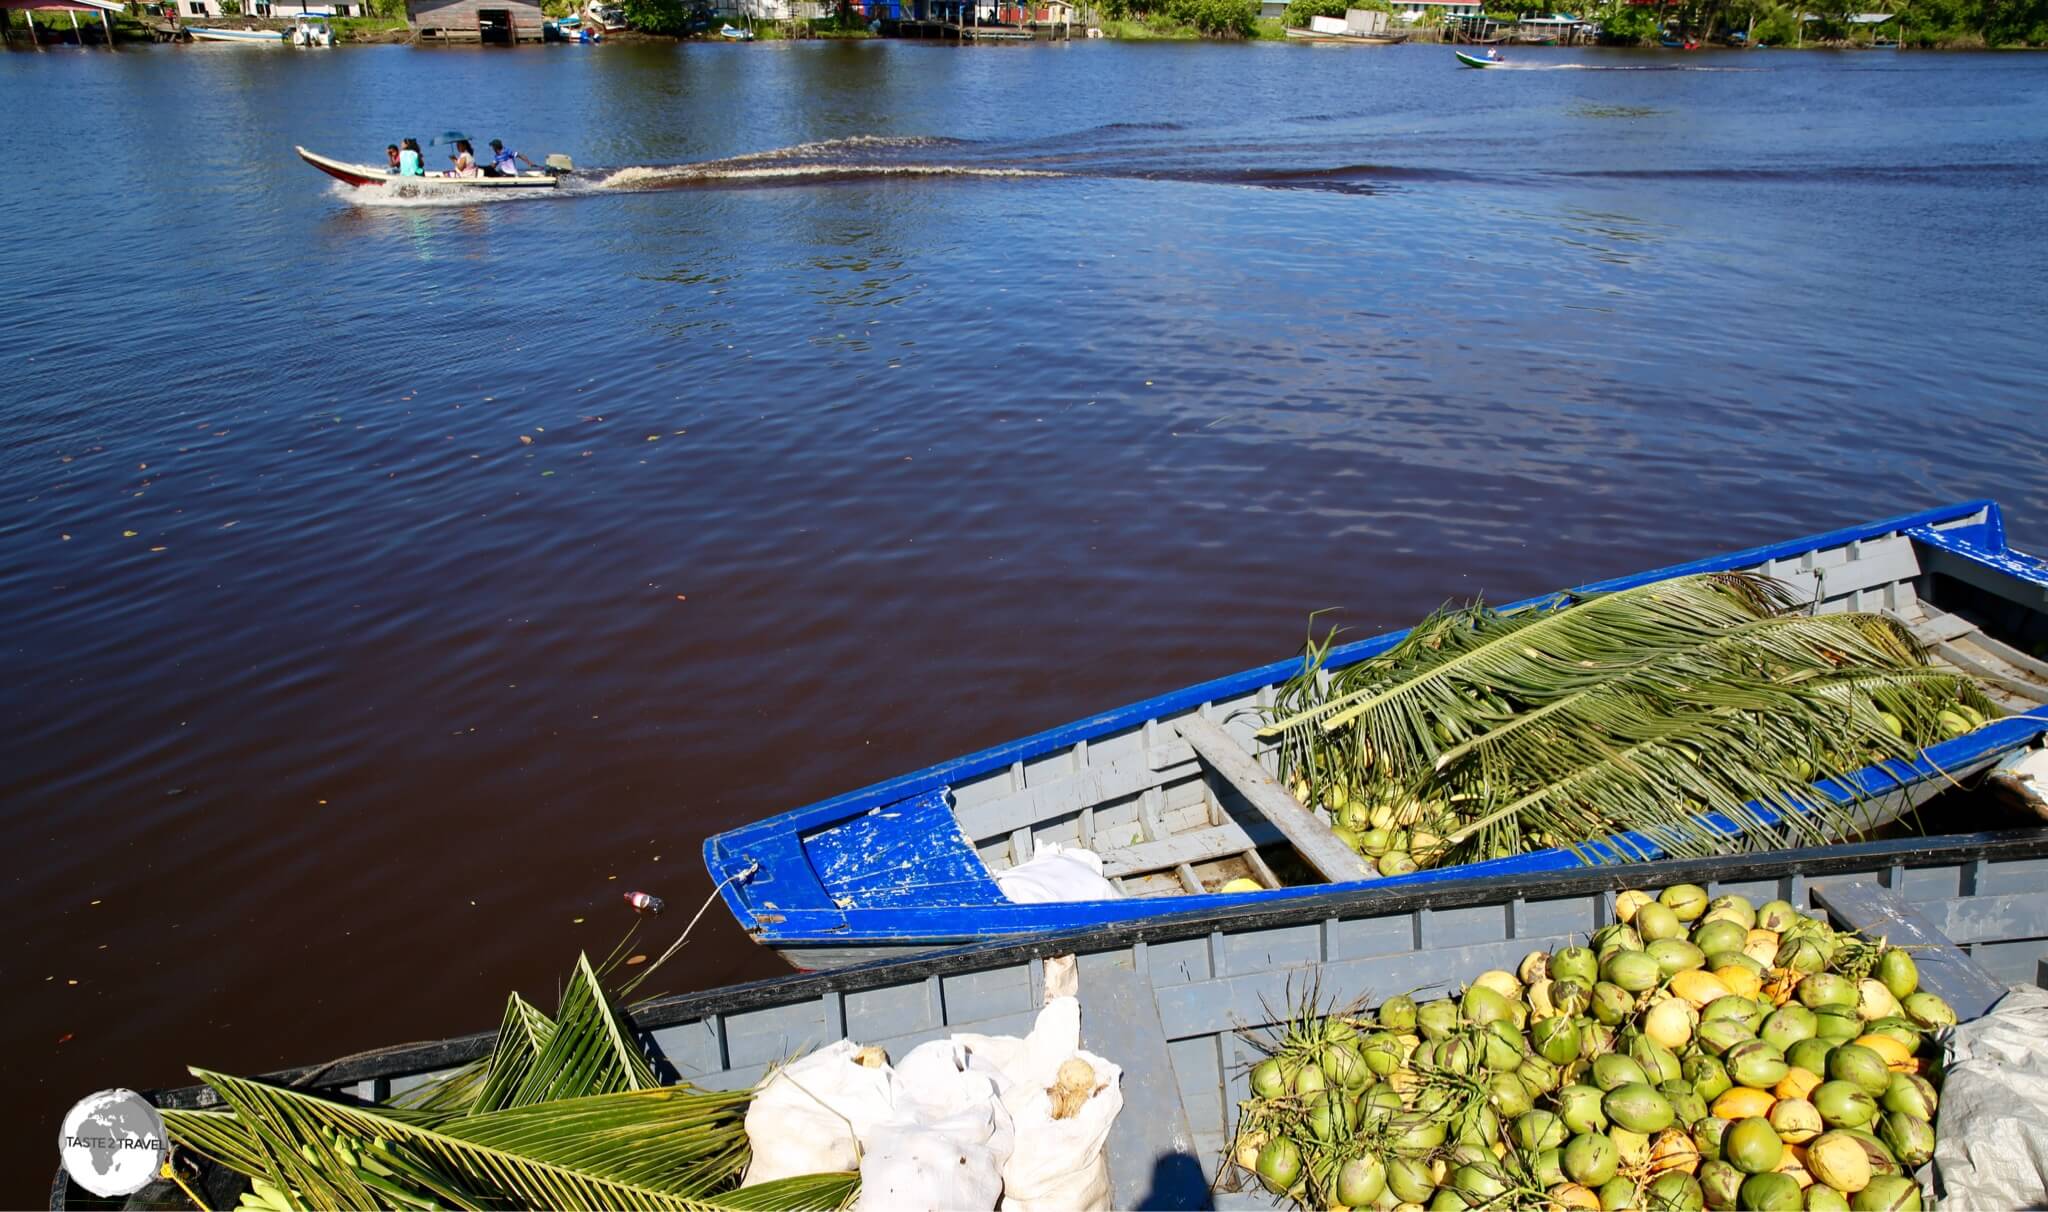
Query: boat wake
[[1612, 67], [717, 173]]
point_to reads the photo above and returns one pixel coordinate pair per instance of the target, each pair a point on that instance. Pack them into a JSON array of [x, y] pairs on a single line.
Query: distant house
[[282, 9], [505, 21], [1436, 12]]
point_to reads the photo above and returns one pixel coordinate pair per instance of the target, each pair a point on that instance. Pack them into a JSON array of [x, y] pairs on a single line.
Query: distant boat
[[260, 37], [311, 28], [1470, 60], [732, 33], [1309, 35]]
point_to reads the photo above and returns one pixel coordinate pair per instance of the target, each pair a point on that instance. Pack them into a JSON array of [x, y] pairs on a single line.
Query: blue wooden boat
[[1176, 795], [1172, 1000]]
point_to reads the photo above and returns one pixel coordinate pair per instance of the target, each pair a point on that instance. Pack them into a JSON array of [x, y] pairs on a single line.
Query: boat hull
[[1475, 60], [369, 176], [830, 879], [1178, 1004], [250, 37], [1309, 35]]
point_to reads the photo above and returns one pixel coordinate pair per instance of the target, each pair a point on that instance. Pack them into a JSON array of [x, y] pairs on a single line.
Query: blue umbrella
[[446, 136]]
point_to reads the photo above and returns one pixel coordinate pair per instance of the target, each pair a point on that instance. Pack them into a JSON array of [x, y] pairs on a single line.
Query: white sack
[[1062, 1165], [946, 1145], [1059, 1165], [1992, 1147], [808, 1114], [1057, 873]]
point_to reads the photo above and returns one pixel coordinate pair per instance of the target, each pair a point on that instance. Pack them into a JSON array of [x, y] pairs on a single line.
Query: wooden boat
[[1169, 1000], [1177, 797], [375, 176], [1472, 60], [1309, 35], [255, 37]]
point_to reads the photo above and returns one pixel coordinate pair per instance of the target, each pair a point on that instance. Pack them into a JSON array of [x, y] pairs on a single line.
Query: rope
[[684, 938]]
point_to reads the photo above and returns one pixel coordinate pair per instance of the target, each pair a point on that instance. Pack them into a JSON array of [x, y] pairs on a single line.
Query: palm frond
[[586, 1050], [523, 1037], [1577, 720], [638, 1149]]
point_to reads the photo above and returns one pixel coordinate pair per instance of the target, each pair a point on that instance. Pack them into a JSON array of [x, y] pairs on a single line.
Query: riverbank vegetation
[[1949, 24], [1231, 19]]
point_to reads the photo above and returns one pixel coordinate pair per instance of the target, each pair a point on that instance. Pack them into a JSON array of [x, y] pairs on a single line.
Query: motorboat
[[379, 177]]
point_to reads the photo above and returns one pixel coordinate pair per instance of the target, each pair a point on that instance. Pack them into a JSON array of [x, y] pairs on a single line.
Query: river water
[[389, 589]]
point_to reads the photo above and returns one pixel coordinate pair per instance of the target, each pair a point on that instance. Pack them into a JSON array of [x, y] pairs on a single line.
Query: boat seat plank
[[1126, 776], [1198, 846], [1987, 671], [1319, 847], [1153, 1160], [1938, 628], [1881, 913]]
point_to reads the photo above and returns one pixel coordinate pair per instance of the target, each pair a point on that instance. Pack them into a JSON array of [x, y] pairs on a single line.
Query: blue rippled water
[[389, 589]]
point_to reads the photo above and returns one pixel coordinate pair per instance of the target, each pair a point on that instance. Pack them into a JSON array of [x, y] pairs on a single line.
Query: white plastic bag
[[1992, 1151], [1058, 1165], [809, 1114], [949, 1139], [1062, 1165], [1057, 873], [945, 1166]]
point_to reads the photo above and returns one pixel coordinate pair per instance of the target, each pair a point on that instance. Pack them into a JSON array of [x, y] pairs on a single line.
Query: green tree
[[1630, 24], [1299, 12], [658, 16]]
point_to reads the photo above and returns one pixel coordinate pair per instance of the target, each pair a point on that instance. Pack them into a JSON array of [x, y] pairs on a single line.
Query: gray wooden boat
[[1168, 998]]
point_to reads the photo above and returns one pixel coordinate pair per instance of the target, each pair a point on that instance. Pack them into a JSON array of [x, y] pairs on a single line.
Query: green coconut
[[1843, 1104], [1752, 1145], [1590, 1159], [1639, 1108]]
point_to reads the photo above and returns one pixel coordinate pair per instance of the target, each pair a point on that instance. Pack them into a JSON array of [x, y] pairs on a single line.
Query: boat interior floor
[[2009, 677]]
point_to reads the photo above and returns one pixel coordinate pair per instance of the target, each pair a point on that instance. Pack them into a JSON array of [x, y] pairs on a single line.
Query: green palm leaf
[[1642, 711], [663, 1148], [586, 1050]]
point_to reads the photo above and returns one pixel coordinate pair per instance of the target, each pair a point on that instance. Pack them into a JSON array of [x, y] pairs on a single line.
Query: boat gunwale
[[787, 926], [1331, 902]]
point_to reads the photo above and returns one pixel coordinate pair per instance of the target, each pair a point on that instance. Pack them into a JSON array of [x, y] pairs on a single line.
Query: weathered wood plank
[[1021, 809], [1198, 846], [1881, 913], [1320, 848], [1155, 1164]]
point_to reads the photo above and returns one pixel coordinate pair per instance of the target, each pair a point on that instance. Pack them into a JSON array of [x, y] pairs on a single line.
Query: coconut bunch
[[1696, 1054], [1580, 719]]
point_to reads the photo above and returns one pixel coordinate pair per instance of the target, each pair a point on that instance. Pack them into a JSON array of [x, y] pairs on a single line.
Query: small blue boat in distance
[[1176, 793], [1467, 59]]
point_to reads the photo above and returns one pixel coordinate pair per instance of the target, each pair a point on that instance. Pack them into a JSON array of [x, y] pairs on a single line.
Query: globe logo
[[112, 1143]]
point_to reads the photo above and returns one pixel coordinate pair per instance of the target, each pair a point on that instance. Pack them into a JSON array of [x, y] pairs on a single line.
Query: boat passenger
[[391, 154], [409, 162], [505, 162], [465, 161]]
